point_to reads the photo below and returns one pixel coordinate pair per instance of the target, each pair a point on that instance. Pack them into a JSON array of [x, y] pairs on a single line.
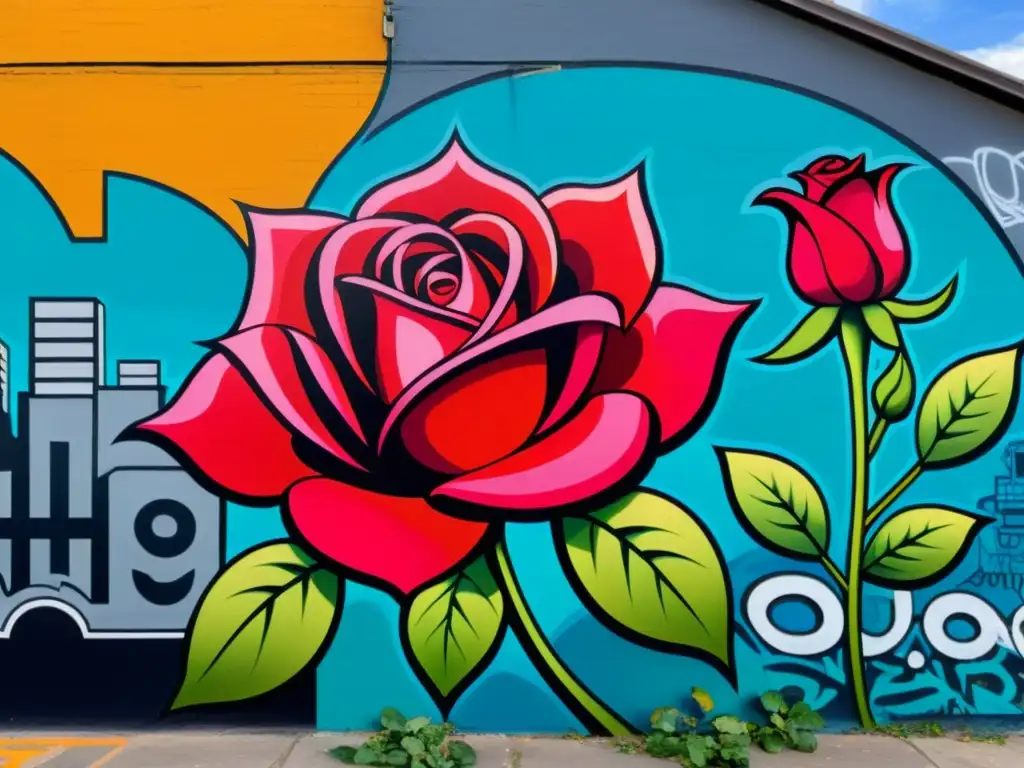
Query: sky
[[991, 31]]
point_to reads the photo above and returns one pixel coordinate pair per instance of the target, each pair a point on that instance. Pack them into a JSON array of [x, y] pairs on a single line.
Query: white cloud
[[1008, 56]]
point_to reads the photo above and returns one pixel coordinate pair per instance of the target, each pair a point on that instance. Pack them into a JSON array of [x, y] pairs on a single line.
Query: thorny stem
[[529, 632], [854, 343]]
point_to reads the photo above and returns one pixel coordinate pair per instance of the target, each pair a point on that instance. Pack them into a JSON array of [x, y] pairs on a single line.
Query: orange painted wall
[[224, 100]]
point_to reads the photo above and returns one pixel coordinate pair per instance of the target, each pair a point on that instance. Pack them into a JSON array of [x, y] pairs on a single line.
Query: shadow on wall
[[50, 673]]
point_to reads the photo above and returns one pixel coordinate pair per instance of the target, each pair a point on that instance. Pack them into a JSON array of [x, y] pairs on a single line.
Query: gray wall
[[442, 43]]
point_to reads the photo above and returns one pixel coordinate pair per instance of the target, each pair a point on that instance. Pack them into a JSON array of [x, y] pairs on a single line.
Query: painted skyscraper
[[114, 533]]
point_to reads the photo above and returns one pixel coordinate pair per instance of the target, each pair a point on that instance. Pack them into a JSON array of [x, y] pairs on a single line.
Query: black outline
[[953, 285], [809, 352], [980, 521], [819, 615], [556, 687], [1000, 432], [726, 669], [748, 527], [220, 706], [443, 702], [368, 134], [830, 586], [934, 161]]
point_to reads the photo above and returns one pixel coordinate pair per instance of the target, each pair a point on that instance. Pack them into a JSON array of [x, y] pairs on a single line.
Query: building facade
[[526, 364]]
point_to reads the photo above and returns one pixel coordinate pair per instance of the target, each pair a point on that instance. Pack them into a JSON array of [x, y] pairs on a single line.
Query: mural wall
[[548, 398]]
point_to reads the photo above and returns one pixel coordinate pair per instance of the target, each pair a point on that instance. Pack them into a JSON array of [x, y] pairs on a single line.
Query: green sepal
[[810, 335], [881, 325], [925, 309]]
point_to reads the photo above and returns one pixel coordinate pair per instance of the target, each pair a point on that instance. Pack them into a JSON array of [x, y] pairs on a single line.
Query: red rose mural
[[457, 353], [848, 256], [847, 242]]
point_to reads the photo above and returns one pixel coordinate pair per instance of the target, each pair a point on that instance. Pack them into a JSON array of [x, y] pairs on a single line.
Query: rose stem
[[877, 433], [893, 493], [854, 342], [528, 632]]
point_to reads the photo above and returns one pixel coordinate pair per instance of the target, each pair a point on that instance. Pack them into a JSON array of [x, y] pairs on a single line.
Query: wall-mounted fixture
[[389, 20]]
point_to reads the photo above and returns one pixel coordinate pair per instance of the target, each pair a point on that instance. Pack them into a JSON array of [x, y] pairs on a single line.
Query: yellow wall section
[[257, 133]]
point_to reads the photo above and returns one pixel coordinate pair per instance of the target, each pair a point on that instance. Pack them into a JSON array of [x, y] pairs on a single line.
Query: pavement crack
[[283, 757]]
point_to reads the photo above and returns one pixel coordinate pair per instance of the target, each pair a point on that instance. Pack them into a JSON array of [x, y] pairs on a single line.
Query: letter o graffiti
[[991, 628], [821, 639]]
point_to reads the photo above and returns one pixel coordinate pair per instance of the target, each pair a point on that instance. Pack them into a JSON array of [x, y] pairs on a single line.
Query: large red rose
[[847, 243], [458, 352]]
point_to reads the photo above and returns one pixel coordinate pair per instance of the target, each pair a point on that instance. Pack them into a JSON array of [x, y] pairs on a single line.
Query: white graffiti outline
[[1009, 211]]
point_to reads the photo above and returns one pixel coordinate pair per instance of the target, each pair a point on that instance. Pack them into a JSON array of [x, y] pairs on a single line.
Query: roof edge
[[933, 59]]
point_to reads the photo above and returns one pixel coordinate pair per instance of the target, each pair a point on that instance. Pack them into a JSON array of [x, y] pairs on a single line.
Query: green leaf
[[771, 741], [778, 720], [397, 757], [919, 546], [365, 756], [968, 408], [346, 755], [772, 701], [881, 325], [703, 699], [804, 718], [804, 741], [810, 335], [413, 746], [462, 753], [260, 623], [926, 309], [778, 504], [417, 724], [453, 626], [665, 719], [699, 749], [647, 565], [893, 393], [728, 724], [392, 720]]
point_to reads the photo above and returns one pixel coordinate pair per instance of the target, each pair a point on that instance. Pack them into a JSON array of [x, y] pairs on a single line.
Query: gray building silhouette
[[115, 534]]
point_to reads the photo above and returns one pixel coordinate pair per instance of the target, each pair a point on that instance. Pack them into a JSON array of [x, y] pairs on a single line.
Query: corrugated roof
[[968, 73]]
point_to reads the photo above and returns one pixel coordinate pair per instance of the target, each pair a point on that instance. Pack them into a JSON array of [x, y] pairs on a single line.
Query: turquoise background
[[171, 275]]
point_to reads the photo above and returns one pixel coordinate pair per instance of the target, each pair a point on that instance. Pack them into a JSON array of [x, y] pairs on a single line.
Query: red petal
[[609, 239], [347, 252], [495, 406], [850, 266], [224, 429], [820, 175], [502, 234], [674, 355], [592, 452], [402, 542], [480, 416], [806, 269], [282, 247], [412, 336], [866, 203], [457, 181], [267, 354], [585, 357]]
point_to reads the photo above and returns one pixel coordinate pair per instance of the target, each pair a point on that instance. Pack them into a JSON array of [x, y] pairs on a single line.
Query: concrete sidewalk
[[261, 749]]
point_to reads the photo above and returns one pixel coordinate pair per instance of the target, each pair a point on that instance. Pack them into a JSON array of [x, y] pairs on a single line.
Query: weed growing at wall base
[[725, 741], [414, 742]]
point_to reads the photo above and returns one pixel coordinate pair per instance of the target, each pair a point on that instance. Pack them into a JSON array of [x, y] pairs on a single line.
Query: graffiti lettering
[[990, 629], [999, 177]]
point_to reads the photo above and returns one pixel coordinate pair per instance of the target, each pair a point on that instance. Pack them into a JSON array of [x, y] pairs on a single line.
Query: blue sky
[[991, 31]]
